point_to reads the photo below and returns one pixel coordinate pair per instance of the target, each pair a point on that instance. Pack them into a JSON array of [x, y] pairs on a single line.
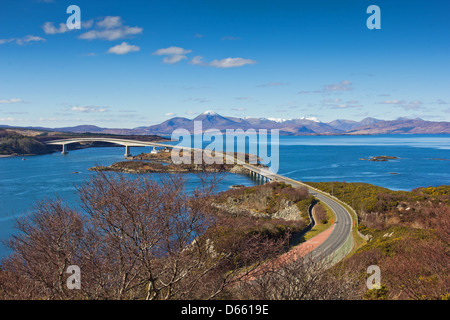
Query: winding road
[[342, 224]]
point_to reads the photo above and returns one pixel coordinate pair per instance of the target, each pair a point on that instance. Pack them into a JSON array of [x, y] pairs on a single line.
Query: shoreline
[[21, 155], [81, 147]]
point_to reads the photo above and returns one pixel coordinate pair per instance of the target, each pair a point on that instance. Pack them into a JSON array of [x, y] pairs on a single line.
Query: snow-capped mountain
[[299, 126]]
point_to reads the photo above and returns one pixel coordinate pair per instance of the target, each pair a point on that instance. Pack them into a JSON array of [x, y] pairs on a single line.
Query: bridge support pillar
[[64, 149], [127, 151]]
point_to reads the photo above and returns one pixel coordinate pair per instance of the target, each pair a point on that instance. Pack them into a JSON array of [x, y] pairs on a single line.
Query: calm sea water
[[307, 158]]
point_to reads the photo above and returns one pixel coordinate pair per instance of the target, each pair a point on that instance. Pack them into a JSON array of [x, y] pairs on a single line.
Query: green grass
[[321, 227]]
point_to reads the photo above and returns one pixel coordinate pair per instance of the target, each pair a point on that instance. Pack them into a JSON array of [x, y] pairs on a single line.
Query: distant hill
[[402, 126], [81, 129], [299, 126]]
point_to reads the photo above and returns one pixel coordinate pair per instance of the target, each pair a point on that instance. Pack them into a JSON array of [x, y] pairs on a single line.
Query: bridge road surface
[[343, 220]]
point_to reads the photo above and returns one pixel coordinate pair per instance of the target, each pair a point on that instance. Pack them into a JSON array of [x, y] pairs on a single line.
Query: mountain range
[[300, 126]]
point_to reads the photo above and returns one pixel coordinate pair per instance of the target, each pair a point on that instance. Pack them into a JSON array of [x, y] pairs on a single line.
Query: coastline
[[21, 155], [80, 147]]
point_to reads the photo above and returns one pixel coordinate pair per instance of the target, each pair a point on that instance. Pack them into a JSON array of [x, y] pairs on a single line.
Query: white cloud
[[87, 24], [111, 34], [307, 92], [335, 100], [15, 112], [272, 84], [23, 40], [29, 38], [14, 100], [174, 58], [395, 101], [231, 62], [110, 22], [199, 100], [123, 48], [174, 54], [230, 38], [49, 28], [89, 109], [110, 28], [171, 51], [224, 63], [337, 103], [3, 41], [169, 114], [342, 86], [197, 60], [345, 106], [412, 105]]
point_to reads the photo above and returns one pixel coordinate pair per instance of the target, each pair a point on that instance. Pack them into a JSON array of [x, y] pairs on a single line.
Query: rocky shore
[[155, 167], [380, 158]]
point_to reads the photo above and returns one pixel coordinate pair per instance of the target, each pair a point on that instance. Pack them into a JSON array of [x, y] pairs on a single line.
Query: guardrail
[[343, 250]]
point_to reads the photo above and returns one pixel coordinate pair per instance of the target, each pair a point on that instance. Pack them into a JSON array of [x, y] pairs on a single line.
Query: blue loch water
[[424, 160]]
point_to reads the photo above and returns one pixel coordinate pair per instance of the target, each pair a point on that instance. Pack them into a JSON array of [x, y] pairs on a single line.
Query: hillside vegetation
[[17, 144], [409, 235]]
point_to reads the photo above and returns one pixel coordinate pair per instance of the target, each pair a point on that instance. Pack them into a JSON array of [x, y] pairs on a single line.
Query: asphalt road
[[343, 220]]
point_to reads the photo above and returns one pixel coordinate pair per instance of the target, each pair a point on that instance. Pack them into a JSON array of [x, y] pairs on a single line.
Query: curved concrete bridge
[[335, 247], [123, 142]]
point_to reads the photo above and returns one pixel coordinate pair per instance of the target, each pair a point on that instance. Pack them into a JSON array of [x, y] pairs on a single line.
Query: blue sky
[[138, 63]]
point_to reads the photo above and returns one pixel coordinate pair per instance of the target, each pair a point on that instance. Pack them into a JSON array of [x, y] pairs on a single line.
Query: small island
[[237, 186], [379, 158], [161, 162]]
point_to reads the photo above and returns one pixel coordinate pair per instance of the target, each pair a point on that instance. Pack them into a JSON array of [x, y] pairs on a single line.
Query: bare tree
[[320, 213], [301, 279], [48, 242], [134, 239]]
